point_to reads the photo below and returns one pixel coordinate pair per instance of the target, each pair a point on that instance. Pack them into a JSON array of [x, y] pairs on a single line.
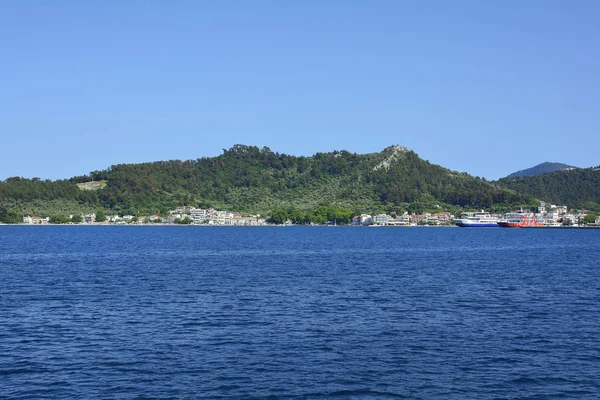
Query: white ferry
[[478, 219]]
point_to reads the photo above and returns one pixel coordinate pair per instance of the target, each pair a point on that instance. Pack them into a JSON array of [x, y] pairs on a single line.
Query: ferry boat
[[478, 219], [519, 219]]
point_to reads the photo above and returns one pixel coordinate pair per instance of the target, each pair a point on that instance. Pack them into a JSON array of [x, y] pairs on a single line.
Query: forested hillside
[[578, 188], [542, 168], [257, 180]]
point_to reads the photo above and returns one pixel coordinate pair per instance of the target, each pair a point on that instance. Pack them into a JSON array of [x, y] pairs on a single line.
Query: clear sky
[[485, 87]]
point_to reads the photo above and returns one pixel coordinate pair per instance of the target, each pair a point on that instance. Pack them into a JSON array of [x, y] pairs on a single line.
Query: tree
[[318, 216], [278, 216], [100, 216], [59, 219], [415, 207], [77, 219], [297, 216], [9, 216], [590, 219]]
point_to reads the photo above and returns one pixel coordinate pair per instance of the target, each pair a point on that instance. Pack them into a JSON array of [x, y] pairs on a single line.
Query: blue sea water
[[298, 313]]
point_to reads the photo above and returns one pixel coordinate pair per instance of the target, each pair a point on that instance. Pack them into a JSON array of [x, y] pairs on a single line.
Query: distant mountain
[[542, 168]]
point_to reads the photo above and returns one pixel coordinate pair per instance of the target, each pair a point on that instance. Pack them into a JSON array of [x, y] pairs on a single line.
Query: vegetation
[[590, 219], [100, 216], [59, 219], [578, 188], [542, 168], [324, 187], [9, 216], [320, 215]]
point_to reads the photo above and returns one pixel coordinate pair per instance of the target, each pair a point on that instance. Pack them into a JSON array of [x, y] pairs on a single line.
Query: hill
[[542, 168], [579, 188], [257, 180]]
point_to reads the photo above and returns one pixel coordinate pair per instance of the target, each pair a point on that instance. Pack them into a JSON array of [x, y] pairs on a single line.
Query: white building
[[199, 215], [569, 219], [39, 220], [381, 219], [365, 219]]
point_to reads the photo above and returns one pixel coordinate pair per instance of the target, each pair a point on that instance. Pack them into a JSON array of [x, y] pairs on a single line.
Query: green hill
[[579, 188], [257, 180], [542, 168]]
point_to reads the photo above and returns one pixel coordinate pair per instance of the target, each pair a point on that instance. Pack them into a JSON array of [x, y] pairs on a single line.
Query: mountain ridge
[[542, 168], [258, 180], [577, 188]]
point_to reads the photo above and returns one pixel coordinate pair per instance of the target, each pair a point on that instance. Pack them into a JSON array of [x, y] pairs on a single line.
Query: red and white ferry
[[518, 219]]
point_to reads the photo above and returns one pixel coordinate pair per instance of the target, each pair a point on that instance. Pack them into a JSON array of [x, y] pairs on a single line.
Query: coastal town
[[548, 215], [183, 215]]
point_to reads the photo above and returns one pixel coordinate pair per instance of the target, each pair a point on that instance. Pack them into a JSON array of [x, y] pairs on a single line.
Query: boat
[[553, 225], [478, 219], [519, 219]]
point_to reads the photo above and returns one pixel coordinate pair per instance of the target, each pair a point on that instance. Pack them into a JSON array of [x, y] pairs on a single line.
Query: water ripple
[[307, 313]]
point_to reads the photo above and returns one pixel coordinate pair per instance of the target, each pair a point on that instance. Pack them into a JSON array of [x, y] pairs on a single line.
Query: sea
[[121, 312]]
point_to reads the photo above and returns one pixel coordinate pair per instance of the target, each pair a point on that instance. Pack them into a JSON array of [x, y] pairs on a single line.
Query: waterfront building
[[381, 219]]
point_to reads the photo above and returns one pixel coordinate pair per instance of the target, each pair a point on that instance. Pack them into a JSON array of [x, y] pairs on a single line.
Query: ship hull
[[508, 225], [477, 225]]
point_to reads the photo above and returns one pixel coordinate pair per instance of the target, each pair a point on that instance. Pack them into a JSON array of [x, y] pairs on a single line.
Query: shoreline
[[290, 226]]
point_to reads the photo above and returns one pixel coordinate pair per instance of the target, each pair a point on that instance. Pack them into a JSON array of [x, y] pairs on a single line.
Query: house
[[381, 219], [27, 220], [400, 220], [237, 221], [365, 219], [552, 216], [443, 217], [245, 221], [199, 215], [542, 207], [415, 219], [569, 220], [432, 220], [560, 209], [89, 218]]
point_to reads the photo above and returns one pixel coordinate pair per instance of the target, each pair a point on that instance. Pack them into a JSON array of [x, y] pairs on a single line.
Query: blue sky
[[477, 86]]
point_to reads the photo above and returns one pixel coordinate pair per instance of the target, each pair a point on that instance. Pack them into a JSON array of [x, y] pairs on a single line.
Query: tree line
[[250, 179]]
